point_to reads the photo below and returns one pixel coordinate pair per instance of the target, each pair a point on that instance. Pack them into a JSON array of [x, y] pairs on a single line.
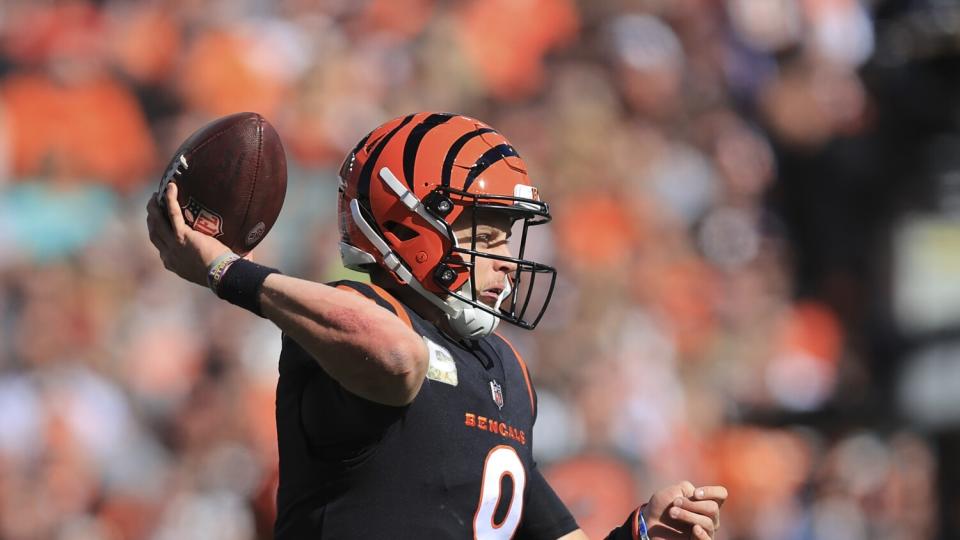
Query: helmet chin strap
[[471, 322], [474, 322], [467, 321]]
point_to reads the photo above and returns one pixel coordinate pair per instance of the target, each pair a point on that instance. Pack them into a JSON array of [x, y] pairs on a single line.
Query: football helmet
[[402, 188]]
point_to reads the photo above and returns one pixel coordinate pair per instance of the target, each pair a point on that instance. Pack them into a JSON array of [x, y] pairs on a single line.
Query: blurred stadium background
[[757, 227]]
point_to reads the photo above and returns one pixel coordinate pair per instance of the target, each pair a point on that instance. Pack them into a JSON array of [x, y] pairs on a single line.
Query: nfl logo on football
[[497, 392], [202, 219]]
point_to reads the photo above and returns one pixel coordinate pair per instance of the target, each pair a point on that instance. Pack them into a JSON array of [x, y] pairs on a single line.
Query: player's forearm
[[365, 347]]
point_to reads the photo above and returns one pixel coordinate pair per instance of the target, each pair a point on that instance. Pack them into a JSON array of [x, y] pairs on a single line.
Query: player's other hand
[[184, 251], [683, 511]]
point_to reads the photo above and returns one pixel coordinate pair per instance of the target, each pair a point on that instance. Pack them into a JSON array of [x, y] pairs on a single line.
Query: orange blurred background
[[753, 227]]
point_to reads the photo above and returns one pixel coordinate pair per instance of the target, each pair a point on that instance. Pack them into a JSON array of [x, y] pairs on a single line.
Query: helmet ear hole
[[438, 204], [401, 231], [444, 275]]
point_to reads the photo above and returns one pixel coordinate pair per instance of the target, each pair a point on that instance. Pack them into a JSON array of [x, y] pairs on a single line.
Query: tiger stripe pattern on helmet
[[363, 188], [412, 178], [455, 150], [412, 146], [488, 158]]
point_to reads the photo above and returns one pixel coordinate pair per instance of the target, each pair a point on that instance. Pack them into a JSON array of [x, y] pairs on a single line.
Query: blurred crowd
[[677, 345]]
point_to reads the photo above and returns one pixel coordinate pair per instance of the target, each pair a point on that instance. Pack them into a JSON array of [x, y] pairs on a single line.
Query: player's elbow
[[378, 356], [404, 366]]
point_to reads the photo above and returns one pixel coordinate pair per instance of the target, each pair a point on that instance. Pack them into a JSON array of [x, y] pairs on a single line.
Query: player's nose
[[504, 266]]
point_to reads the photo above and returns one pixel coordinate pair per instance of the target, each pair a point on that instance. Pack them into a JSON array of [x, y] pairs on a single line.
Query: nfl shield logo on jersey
[[497, 392]]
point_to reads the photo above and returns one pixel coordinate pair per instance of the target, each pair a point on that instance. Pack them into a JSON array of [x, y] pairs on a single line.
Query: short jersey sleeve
[[376, 294], [336, 422], [544, 516]]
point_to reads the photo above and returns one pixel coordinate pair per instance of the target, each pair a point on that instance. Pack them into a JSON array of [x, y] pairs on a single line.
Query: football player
[[400, 412]]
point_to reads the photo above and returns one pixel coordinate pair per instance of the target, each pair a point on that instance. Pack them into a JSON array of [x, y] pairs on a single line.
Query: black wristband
[[241, 283]]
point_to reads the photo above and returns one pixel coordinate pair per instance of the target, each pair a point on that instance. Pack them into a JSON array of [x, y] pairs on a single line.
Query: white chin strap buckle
[[504, 294], [472, 322]]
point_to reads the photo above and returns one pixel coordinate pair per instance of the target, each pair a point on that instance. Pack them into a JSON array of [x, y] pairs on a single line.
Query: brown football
[[231, 177]]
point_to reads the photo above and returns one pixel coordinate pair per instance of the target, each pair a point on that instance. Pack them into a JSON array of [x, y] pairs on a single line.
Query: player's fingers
[[700, 534], [709, 508], [691, 518], [152, 207], [157, 239], [174, 213], [163, 259], [687, 488], [155, 214], [157, 227], [714, 493]]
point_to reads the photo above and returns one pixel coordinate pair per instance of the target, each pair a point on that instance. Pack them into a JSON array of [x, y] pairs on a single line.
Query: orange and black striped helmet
[[403, 186]]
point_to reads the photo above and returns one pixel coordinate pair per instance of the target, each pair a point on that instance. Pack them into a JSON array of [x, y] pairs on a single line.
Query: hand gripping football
[[231, 176]]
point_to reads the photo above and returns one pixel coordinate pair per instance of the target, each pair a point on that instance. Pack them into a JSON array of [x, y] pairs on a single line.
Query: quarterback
[[401, 413]]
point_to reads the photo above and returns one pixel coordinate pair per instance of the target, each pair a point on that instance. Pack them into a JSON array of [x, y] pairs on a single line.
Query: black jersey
[[454, 463]]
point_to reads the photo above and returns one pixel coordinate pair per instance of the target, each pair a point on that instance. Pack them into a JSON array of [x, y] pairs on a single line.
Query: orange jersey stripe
[[351, 289], [523, 368], [398, 308], [401, 312]]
